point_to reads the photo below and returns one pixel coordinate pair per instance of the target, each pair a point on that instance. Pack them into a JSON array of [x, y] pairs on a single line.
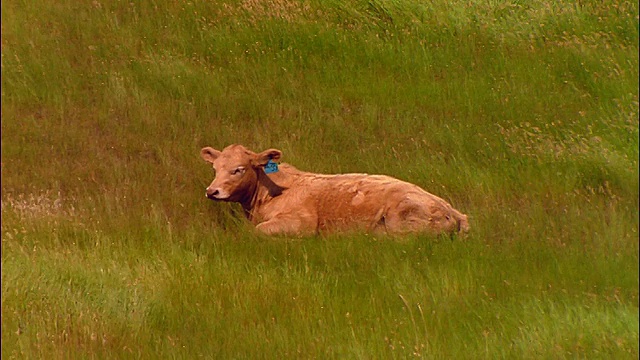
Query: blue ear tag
[[271, 167]]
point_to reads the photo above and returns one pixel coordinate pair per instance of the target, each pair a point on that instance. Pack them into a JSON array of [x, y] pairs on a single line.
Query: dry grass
[[45, 205]]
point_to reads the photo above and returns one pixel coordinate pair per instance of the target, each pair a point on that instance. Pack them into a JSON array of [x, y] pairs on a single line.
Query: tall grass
[[523, 115]]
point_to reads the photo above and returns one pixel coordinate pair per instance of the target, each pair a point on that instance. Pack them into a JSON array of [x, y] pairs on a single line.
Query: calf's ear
[[263, 158], [209, 154]]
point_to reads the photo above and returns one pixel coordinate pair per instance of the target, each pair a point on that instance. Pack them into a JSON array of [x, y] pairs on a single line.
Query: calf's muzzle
[[212, 193]]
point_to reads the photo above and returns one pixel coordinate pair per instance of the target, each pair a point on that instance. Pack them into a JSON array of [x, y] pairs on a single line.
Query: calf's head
[[236, 171]]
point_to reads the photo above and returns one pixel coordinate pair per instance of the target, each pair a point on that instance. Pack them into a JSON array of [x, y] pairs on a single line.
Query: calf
[[280, 199]]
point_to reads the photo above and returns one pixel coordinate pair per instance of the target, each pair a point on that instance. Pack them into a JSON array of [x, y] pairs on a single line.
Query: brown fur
[[294, 202]]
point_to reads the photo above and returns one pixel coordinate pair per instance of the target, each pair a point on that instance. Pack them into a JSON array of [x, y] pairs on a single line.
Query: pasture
[[521, 114]]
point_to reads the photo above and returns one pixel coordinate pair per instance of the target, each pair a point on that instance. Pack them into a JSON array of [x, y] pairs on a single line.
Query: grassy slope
[[522, 115]]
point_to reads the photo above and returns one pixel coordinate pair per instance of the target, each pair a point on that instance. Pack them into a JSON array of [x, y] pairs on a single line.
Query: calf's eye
[[239, 170]]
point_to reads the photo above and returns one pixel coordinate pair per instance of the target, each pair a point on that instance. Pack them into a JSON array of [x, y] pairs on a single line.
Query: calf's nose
[[212, 193]]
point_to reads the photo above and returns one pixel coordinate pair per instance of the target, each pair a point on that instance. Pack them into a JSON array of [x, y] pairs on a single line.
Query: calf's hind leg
[[411, 216]]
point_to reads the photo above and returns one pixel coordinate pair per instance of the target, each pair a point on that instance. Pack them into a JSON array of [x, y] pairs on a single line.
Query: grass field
[[522, 114]]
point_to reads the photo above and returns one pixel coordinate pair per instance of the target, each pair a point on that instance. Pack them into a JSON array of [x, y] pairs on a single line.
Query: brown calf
[[280, 199]]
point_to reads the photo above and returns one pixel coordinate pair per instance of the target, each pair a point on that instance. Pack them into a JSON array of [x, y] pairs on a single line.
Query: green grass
[[524, 115]]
